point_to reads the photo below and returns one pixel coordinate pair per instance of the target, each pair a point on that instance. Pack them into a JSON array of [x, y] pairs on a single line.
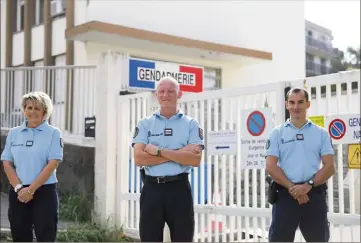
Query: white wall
[[18, 49], [3, 32], [80, 17], [37, 43], [58, 38], [237, 23], [258, 24], [284, 25], [2, 53]]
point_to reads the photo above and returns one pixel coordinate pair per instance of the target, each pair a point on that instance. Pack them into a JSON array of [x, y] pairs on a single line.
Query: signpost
[[144, 74], [344, 129], [354, 156], [337, 129], [221, 142], [318, 120], [256, 127]]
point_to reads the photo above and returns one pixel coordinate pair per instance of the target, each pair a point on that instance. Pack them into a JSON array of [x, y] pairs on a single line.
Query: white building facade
[[238, 37], [238, 43], [319, 50]]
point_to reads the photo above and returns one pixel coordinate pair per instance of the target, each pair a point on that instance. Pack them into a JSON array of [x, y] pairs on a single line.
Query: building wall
[[216, 21], [2, 32], [37, 36], [221, 23], [323, 36], [319, 32]]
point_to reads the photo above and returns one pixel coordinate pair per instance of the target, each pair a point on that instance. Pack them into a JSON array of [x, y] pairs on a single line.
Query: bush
[[76, 208], [91, 233]]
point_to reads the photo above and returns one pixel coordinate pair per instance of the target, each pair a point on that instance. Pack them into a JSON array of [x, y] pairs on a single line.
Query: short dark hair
[[297, 90]]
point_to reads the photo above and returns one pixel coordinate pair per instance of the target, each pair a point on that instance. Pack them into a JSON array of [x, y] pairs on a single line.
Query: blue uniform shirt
[[173, 133], [299, 151], [30, 149]]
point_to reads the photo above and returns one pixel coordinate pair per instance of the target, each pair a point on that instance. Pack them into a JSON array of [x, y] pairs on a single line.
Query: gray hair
[[43, 99], [171, 80]]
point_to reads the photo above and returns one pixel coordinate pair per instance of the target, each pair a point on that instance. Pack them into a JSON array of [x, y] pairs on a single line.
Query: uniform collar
[[288, 123], [41, 127], [179, 114]]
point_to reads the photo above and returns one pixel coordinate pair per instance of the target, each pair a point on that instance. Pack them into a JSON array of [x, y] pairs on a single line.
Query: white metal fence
[[242, 213], [71, 88]]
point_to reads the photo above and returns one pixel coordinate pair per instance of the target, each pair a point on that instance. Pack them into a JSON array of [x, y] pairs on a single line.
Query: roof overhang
[[133, 38]]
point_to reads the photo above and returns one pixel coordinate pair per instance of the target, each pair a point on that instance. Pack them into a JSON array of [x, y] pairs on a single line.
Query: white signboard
[[344, 129], [257, 125], [221, 142]]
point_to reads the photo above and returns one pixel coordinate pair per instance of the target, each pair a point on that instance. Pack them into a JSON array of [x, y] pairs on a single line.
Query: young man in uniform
[[167, 144], [294, 152]]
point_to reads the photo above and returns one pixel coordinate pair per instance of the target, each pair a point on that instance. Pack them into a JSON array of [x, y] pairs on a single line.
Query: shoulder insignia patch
[[61, 143], [268, 144], [136, 132], [200, 131]]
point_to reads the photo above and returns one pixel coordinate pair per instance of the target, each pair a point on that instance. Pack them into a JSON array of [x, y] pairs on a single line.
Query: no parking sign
[[257, 125], [344, 129]]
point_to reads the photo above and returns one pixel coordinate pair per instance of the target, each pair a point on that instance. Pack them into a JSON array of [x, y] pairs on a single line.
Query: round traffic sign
[[256, 123], [337, 129]]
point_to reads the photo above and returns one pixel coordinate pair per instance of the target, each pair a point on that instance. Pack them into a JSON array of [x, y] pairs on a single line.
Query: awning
[[107, 33]]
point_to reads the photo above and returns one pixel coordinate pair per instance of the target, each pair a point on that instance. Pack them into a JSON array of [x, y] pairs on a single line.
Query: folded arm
[[142, 158], [183, 156]]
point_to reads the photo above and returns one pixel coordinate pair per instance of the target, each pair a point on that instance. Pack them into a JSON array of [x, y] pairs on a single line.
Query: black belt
[[165, 179]]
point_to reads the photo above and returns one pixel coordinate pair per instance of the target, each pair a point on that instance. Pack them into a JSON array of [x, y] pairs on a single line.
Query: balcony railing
[[316, 68], [317, 44]]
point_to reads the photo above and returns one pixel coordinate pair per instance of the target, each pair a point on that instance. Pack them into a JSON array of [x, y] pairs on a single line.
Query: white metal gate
[[71, 88], [242, 212]]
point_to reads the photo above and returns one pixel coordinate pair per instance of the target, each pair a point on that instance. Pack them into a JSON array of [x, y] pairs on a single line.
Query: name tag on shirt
[[168, 132], [29, 143], [299, 136]]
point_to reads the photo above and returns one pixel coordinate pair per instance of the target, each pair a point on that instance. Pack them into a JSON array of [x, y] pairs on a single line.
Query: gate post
[[280, 102], [107, 91]]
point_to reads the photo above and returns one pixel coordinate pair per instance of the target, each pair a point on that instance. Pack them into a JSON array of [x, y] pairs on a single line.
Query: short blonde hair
[[43, 99]]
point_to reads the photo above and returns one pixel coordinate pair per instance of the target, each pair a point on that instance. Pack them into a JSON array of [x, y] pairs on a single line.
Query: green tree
[[338, 62], [354, 54], [345, 61]]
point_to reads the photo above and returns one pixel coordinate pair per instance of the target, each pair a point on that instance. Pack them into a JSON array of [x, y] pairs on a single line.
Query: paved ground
[[4, 214]]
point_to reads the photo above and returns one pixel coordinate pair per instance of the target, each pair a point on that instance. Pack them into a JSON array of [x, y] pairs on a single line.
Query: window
[[39, 12], [354, 86], [309, 57], [57, 7], [212, 78], [20, 11]]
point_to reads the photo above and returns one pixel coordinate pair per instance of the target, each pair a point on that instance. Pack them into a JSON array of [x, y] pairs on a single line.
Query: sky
[[341, 17]]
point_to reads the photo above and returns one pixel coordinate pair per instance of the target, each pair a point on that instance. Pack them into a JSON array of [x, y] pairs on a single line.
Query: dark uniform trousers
[[169, 202], [311, 218], [40, 214]]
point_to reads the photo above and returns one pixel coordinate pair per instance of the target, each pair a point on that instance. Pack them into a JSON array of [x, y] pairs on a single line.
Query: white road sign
[[221, 142], [257, 125]]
